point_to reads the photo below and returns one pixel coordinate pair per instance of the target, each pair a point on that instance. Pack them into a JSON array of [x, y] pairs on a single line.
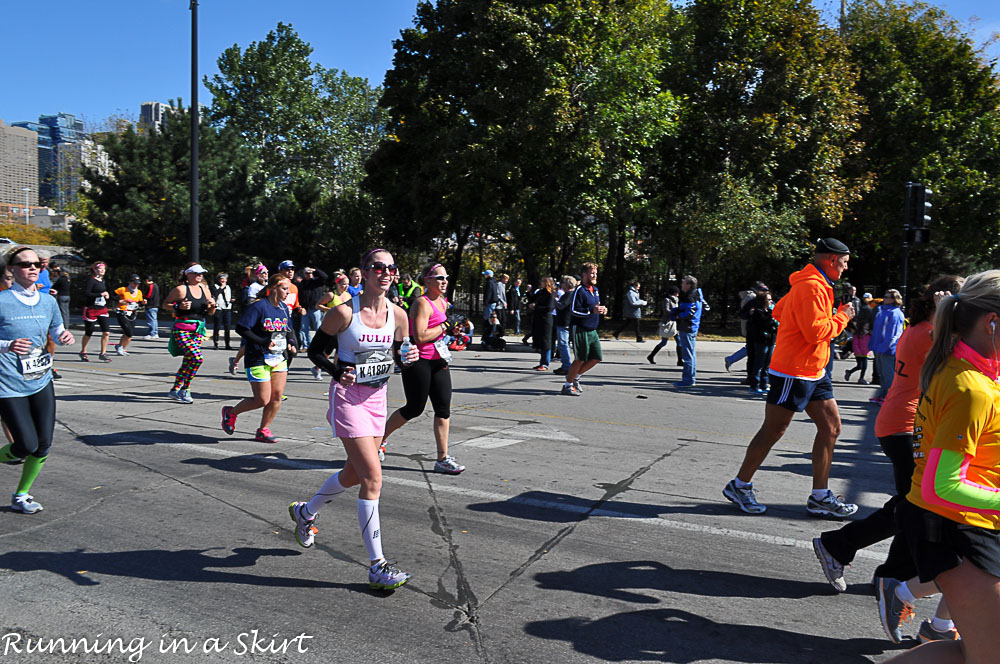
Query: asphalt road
[[585, 529]]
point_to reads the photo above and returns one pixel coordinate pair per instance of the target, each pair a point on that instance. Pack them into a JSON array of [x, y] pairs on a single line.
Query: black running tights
[[426, 378], [31, 421]]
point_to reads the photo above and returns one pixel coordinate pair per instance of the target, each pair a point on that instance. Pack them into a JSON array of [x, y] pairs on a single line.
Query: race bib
[[35, 364], [131, 306], [279, 341], [373, 368], [100, 302], [443, 351], [276, 355]]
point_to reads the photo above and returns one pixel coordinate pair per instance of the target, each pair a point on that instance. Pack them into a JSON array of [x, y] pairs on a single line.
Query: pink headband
[[369, 255]]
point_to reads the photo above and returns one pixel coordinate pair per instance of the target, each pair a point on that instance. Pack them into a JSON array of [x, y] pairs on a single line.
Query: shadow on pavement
[[190, 565], [258, 463], [147, 437], [624, 582], [564, 508], [674, 635]]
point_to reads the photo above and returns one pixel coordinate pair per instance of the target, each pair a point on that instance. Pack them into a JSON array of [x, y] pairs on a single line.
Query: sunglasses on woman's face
[[380, 268], [26, 264], [439, 277]]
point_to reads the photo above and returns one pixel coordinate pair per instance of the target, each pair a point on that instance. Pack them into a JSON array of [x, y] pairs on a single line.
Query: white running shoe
[[745, 499], [119, 350], [305, 529], [448, 466], [832, 568], [383, 575], [24, 503], [831, 506]]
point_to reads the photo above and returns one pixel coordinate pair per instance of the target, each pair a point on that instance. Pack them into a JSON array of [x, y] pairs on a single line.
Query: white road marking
[[489, 442], [731, 533], [504, 435]]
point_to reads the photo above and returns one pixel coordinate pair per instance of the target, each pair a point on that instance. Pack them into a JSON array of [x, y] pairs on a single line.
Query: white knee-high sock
[[330, 489], [371, 528]]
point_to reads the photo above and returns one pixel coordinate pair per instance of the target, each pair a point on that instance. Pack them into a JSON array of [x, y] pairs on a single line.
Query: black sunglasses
[[27, 264], [380, 267], [439, 277]]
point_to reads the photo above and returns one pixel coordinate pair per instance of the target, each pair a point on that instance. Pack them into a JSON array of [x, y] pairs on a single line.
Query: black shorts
[[796, 393], [938, 544]]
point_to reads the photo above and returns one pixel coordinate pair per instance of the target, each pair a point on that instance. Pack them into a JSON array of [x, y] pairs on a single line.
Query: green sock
[[6, 455], [32, 466]]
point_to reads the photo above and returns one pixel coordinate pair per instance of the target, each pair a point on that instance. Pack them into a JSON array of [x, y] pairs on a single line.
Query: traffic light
[[918, 207]]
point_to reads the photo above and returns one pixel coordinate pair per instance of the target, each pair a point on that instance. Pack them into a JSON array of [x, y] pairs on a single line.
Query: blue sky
[[104, 57]]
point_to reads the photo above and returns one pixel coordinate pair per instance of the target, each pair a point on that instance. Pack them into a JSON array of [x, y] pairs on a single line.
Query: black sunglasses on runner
[[439, 277], [27, 264], [379, 267]]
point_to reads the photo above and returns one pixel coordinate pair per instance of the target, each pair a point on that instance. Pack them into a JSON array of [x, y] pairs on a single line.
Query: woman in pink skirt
[[365, 334]]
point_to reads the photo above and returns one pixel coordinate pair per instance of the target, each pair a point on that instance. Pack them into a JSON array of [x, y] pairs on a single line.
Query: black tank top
[[199, 305]]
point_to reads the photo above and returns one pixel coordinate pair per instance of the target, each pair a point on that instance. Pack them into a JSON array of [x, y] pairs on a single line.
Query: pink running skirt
[[357, 411]]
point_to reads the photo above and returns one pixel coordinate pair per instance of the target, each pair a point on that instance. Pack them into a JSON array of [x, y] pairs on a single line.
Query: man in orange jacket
[[800, 380]]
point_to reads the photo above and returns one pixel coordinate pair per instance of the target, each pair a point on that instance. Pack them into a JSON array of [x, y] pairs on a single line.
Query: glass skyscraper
[[59, 139]]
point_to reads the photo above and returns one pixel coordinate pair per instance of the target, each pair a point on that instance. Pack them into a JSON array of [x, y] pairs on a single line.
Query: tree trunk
[[621, 278], [610, 261]]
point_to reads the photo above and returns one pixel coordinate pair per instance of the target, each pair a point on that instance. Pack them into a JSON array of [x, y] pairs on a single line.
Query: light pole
[[26, 190], [194, 131]]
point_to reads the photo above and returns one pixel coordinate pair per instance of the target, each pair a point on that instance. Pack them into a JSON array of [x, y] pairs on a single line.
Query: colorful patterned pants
[[190, 342]]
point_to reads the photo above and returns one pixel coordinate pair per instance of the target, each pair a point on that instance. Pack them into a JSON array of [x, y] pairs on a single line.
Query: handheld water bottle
[[405, 348]]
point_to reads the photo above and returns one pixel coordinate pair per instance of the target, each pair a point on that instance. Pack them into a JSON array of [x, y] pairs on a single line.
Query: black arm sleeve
[[323, 344], [396, 345], [249, 335]]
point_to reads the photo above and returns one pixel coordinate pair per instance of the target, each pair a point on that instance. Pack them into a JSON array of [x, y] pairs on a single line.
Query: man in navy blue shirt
[[585, 315]]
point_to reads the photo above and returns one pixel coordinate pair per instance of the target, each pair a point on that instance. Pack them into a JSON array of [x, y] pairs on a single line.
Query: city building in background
[[18, 165], [61, 153], [152, 115]]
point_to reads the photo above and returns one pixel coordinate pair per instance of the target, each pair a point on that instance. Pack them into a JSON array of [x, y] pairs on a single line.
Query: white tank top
[[359, 338]]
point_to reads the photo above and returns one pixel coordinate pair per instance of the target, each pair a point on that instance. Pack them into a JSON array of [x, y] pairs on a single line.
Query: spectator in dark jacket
[[541, 322], [761, 332], [312, 288]]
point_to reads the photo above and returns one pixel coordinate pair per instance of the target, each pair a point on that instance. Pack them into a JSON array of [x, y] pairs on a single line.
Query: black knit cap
[[829, 245]]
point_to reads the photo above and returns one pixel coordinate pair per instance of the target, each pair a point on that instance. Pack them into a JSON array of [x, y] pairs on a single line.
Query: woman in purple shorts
[[365, 334]]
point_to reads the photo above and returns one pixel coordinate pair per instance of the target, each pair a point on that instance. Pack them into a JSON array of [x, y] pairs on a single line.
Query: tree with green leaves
[[933, 117], [767, 124], [138, 214], [524, 122], [299, 117]]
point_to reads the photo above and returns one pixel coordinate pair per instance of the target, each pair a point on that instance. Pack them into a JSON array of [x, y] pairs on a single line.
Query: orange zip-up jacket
[[807, 325]]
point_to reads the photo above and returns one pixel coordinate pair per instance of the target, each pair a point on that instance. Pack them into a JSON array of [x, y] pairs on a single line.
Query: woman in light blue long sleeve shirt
[[887, 330], [27, 400]]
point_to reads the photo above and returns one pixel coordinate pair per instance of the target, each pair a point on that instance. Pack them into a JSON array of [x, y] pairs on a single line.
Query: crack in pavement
[[465, 603], [610, 491]]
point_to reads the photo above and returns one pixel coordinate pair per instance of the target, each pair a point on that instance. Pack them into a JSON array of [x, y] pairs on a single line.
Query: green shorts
[[262, 372], [586, 344]]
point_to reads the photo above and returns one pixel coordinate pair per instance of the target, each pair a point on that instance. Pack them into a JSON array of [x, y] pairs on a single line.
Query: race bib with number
[[35, 364], [443, 351], [280, 341], [373, 368], [100, 302], [131, 306]]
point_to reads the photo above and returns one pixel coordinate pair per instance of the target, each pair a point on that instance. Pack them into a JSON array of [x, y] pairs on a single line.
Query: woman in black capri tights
[[429, 376]]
